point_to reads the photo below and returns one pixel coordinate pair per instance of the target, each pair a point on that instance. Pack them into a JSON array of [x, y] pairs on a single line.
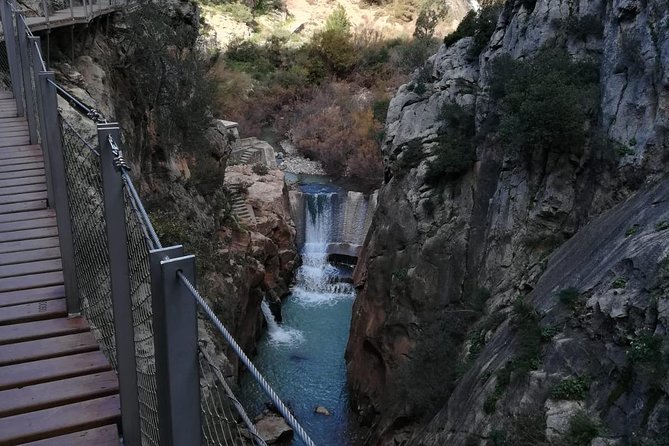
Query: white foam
[[280, 334]]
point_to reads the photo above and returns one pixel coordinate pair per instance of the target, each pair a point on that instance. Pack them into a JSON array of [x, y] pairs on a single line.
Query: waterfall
[[355, 213], [475, 5], [316, 279], [279, 334]]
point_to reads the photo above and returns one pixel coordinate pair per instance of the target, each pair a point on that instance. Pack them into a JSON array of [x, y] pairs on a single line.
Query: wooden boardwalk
[[74, 15], [56, 387]]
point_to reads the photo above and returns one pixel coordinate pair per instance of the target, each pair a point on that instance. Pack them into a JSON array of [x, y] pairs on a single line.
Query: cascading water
[[303, 357]]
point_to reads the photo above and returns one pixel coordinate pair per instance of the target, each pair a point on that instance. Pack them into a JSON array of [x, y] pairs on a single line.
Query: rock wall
[[430, 249]]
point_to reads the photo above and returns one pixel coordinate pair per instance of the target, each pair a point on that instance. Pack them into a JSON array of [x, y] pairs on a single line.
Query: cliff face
[[438, 328], [185, 193]]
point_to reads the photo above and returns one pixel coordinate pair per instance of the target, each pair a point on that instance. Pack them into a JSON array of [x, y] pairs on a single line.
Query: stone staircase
[[240, 208]]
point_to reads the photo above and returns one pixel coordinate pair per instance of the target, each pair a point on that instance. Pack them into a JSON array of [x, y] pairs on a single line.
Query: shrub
[[570, 297], [645, 349], [632, 230], [570, 389], [585, 26], [455, 151], [333, 50], [338, 21], [260, 169], [480, 25], [206, 176], [662, 226], [582, 430], [546, 101], [163, 67], [429, 15], [238, 11], [525, 323], [618, 283]]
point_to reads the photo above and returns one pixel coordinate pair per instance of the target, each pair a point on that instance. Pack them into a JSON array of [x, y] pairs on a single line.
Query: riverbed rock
[[322, 411], [274, 429]]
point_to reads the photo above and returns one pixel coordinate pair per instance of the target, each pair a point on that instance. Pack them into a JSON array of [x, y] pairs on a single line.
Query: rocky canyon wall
[[438, 352]]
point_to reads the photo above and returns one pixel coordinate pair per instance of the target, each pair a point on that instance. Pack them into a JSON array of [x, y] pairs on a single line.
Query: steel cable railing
[[257, 376]]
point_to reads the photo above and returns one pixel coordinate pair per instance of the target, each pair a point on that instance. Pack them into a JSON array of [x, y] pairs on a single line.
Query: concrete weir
[[353, 213]]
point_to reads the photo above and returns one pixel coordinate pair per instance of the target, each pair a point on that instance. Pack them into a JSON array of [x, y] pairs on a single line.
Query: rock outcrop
[[425, 343]]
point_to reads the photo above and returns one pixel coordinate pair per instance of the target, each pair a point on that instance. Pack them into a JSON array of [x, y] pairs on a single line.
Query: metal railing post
[[117, 244], [39, 104], [175, 340], [12, 54], [29, 93], [53, 139]]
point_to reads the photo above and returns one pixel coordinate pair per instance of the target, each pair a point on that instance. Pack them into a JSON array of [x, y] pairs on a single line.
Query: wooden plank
[[8, 114], [46, 348], [60, 420], [23, 181], [21, 167], [13, 124], [34, 311], [41, 329], [22, 207], [50, 394], [12, 119], [33, 255], [27, 245], [28, 234], [101, 436], [21, 198], [27, 224], [22, 160], [42, 266], [38, 172], [31, 281], [39, 187], [44, 370], [14, 140], [31, 295], [14, 133], [22, 216], [19, 152]]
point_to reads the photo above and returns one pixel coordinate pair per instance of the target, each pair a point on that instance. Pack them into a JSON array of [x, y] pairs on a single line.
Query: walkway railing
[[138, 296]]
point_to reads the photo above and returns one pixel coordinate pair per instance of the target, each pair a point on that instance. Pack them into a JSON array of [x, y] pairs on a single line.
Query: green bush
[[260, 169], [645, 349], [338, 21], [618, 283], [582, 430], [480, 25], [570, 297], [546, 101], [525, 323], [632, 230], [456, 151], [570, 389], [333, 50], [662, 226], [583, 27]]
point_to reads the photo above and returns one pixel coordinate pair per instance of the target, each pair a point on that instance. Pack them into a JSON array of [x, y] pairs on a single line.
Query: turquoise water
[[303, 357]]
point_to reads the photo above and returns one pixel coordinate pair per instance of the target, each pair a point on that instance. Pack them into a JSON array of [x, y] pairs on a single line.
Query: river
[[303, 357]]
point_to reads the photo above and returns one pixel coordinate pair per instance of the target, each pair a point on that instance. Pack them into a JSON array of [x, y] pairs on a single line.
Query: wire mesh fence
[[84, 190], [142, 314], [5, 78], [224, 421]]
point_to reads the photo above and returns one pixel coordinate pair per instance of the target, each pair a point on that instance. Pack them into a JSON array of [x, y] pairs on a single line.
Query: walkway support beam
[[175, 339], [52, 138], [26, 66], [117, 245]]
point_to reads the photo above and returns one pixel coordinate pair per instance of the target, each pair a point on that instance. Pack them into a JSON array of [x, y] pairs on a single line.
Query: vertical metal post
[[175, 338], [29, 93], [52, 138], [34, 43], [12, 54], [117, 244]]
